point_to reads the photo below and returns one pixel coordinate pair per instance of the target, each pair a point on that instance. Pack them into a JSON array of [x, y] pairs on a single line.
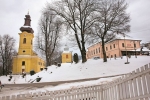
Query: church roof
[[27, 27]]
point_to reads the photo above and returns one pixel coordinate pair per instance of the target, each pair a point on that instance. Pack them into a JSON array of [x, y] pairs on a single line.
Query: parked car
[[95, 58], [146, 53]]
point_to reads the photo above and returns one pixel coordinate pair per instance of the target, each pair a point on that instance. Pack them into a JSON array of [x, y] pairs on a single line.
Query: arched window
[[23, 63], [67, 56], [24, 40]]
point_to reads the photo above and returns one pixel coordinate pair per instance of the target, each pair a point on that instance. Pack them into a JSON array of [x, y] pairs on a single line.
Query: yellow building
[[66, 55], [27, 59]]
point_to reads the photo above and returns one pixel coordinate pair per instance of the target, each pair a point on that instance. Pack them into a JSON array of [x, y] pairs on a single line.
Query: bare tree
[[7, 50], [49, 34], [112, 19], [78, 16]]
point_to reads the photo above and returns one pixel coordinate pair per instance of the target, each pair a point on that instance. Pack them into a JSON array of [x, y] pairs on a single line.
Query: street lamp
[[125, 50], [135, 48]]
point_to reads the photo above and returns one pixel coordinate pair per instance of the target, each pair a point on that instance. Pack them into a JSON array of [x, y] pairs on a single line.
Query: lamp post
[[125, 50], [135, 48]]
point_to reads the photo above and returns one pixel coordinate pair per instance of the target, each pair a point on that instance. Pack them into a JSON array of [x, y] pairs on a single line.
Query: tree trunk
[[3, 69], [83, 52], [104, 52]]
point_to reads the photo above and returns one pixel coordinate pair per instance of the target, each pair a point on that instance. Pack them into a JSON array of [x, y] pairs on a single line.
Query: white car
[[95, 58]]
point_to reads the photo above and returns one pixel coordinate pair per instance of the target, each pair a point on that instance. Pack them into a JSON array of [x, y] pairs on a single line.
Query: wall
[[66, 57]]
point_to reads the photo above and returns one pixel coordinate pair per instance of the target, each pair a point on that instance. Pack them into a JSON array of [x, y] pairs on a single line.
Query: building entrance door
[[23, 70]]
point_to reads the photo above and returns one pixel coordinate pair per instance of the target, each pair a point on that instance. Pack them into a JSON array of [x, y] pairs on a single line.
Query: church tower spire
[[27, 27]]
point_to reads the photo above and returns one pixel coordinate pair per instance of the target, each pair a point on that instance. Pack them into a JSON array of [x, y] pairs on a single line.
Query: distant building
[[115, 48], [26, 59], [66, 55]]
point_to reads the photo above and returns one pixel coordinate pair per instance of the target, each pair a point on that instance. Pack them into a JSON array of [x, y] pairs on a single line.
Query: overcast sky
[[12, 14]]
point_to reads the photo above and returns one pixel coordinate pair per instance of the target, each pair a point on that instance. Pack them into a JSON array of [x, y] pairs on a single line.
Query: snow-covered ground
[[92, 68]]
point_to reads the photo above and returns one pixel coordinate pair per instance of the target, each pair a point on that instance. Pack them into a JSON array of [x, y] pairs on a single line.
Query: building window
[[110, 47], [67, 56], [94, 52], [24, 40], [106, 49], [31, 42], [114, 45], [134, 45], [122, 44], [99, 49], [23, 63], [24, 51]]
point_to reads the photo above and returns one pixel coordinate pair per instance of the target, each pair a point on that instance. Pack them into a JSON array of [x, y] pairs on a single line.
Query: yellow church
[[66, 55], [26, 59]]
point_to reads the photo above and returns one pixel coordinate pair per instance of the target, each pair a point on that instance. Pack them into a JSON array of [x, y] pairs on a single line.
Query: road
[[20, 88]]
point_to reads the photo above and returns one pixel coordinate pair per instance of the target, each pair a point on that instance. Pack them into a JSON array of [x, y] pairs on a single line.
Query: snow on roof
[[144, 49], [66, 52], [117, 37]]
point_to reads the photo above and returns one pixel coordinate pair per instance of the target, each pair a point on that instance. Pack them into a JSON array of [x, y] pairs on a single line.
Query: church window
[[23, 63], [31, 42], [24, 40], [66, 56]]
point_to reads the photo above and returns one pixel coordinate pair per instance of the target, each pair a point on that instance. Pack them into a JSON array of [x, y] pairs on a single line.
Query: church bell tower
[[26, 38]]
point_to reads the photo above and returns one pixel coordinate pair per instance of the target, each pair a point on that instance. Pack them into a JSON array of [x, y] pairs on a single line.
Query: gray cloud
[[140, 14], [12, 14]]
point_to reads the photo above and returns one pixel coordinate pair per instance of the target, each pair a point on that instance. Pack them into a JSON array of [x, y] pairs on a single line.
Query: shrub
[[41, 69], [45, 68], [59, 64], [38, 79], [10, 77], [75, 58], [32, 72]]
